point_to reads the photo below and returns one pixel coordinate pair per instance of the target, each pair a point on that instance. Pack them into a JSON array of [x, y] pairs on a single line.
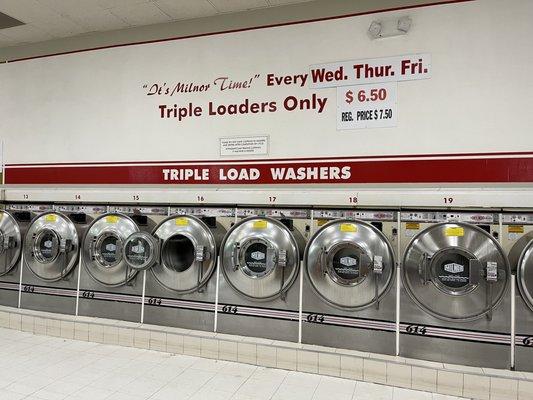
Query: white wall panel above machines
[[147, 114]]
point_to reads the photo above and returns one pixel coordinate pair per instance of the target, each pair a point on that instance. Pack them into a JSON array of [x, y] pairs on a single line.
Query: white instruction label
[[241, 145]]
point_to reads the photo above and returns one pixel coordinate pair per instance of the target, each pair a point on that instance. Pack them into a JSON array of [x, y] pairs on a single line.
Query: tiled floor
[[48, 368]]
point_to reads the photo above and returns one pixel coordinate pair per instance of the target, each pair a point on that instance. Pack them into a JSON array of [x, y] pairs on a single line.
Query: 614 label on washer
[[367, 106]]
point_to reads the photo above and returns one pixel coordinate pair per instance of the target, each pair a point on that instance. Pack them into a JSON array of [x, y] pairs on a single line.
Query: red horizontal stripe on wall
[[464, 170]]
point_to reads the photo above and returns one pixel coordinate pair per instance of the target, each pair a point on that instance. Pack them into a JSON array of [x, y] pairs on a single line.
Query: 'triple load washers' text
[[304, 174]]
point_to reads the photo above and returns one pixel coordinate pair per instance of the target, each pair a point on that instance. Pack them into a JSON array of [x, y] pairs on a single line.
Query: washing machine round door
[[524, 273], [51, 246], [260, 258], [10, 242], [350, 264], [455, 271], [141, 251], [103, 249], [188, 254]]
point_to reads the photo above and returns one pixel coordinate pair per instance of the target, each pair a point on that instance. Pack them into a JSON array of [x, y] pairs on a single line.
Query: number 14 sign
[[367, 106]]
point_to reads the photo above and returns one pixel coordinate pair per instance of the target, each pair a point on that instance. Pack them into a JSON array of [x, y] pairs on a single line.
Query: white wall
[[91, 106]]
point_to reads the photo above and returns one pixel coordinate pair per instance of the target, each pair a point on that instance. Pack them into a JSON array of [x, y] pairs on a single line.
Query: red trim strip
[[465, 170], [243, 29], [263, 160]]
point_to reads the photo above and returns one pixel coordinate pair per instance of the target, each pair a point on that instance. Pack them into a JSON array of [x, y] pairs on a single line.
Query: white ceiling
[[49, 19]]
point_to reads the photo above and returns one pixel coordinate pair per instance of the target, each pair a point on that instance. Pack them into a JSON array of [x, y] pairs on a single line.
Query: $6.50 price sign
[[367, 106]]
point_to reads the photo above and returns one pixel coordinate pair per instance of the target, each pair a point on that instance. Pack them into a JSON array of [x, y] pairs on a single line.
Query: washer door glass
[[10, 242], [108, 249], [103, 249], [141, 251], [46, 246], [350, 264], [51, 246], [257, 258], [347, 263], [188, 254], [260, 258], [455, 271]]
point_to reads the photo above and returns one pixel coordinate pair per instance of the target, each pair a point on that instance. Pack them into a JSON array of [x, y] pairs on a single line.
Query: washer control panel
[[273, 213], [29, 207], [128, 210], [203, 211], [79, 208], [366, 215]]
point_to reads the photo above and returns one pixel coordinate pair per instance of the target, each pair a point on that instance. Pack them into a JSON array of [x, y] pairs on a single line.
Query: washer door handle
[[491, 275], [475, 270], [282, 262], [423, 268], [377, 270], [200, 256], [364, 263], [65, 247], [7, 244], [235, 256]]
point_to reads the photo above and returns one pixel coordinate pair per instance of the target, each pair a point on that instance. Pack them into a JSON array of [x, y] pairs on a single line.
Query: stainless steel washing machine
[[109, 287], [49, 274], [349, 265], [181, 285], [518, 239], [259, 263], [455, 304], [14, 222]]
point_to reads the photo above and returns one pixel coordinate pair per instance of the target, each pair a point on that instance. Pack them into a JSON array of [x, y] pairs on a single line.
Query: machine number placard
[[228, 309], [28, 288], [416, 329], [315, 318], [367, 106], [154, 301], [87, 294]]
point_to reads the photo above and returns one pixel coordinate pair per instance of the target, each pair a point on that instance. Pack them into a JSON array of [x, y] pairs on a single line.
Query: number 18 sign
[[367, 106]]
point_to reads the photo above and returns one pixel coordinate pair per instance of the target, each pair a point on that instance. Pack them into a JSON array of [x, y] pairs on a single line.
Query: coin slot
[[378, 225], [22, 216], [141, 220], [78, 218], [211, 222]]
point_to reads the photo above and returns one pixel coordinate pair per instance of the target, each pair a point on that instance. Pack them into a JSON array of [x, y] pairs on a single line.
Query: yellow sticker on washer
[[112, 219], [181, 221], [515, 229], [260, 224], [322, 222], [348, 228], [50, 218], [454, 231], [412, 225]]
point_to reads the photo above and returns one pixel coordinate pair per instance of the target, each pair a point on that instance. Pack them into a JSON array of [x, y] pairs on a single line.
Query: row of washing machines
[[435, 284]]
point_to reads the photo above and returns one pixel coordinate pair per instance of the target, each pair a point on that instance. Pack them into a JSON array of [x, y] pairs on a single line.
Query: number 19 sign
[[367, 106]]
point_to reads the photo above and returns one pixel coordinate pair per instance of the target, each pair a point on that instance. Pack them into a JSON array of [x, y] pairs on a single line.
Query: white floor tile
[[9, 395], [372, 391], [408, 394]]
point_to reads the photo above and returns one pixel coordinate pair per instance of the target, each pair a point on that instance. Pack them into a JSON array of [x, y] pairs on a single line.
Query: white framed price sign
[[367, 106]]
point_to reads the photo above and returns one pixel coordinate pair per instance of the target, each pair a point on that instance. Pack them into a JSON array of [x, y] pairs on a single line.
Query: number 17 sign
[[367, 106]]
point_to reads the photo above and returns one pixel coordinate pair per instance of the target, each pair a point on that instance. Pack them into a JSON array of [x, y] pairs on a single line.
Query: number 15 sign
[[367, 106]]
